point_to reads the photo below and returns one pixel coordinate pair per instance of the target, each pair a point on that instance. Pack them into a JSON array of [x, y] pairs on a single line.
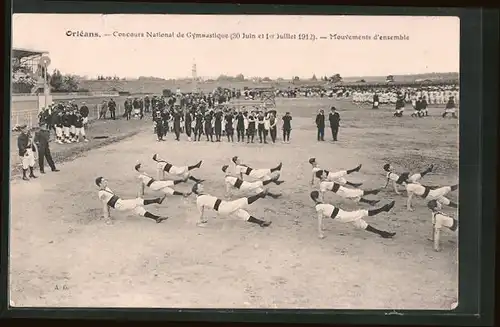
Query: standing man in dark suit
[[141, 108], [128, 108], [177, 123], [112, 108], [320, 125], [42, 141], [218, 116], [287, 127], [158, 119], [147, 103], [334, 119]]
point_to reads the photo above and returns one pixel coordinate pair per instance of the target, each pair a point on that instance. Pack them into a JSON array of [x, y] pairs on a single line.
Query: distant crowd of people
[[432, 94]]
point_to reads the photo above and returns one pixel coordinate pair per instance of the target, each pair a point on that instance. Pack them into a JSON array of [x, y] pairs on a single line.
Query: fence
[[30, 117]]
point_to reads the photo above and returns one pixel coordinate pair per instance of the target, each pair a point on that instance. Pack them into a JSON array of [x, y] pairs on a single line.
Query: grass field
[[63, 254]]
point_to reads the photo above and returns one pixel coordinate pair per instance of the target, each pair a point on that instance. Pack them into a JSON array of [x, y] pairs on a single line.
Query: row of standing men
[[222, 121]]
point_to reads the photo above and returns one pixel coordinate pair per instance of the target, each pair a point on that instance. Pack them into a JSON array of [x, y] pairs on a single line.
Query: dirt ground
[[63, 254]]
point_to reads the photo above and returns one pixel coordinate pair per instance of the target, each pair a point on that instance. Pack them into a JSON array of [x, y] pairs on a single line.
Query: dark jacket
[[58, 120], [188, 119], [218, 117], [334, 119], [287, 122], [66, 122], [84, 111], [199, 120], [72, 119], [320, 121], [240, 121], [177, 119], [78, 121], [229, 121], [208, 119], [400, 103], [42, 138], [23, 143], [111, 105]]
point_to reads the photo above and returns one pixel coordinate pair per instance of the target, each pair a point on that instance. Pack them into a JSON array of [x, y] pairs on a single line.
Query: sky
[[431, 45]]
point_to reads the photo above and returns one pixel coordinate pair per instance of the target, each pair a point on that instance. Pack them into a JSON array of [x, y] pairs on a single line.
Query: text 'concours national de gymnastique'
[[241, 36]]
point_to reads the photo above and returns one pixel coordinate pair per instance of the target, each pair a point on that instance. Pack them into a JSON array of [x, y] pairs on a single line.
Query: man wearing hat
[[334, 119], [320, 125], [42, 142], [287, 127], [26, 148], [112, 108], [128, 108]]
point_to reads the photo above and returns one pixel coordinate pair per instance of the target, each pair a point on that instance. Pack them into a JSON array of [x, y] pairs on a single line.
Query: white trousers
[[260, 173], [163, 186], [353, 217], [337, 177], [235, 207], [252, 187], [439, 220], [174, 170], [79, 131], [59, 132], [28, 160], [348, 193], [414, 178], [131, 204], [438, 193]]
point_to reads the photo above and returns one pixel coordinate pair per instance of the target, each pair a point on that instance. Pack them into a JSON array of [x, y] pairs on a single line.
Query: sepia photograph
[[234, 161]]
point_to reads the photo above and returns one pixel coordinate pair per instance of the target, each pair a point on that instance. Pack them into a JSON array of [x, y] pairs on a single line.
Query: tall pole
[[194, 75], [46, 88]]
